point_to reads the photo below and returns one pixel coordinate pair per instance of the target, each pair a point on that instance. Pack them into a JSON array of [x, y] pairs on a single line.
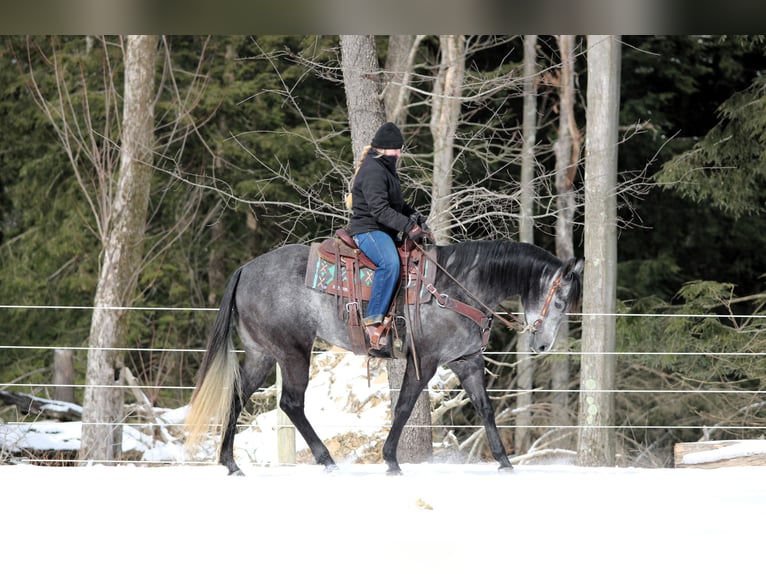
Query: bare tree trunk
[[445, 114], [360, 75], [525, 371], [596, 445], [122, 250], [567, 152], [399, 65], [527, 200], [416, 442]]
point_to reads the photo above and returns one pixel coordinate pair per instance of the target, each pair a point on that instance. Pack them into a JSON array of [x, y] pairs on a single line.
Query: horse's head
[[559, 293]]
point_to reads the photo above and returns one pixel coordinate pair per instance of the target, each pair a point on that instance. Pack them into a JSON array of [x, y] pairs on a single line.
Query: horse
[[278, 319]]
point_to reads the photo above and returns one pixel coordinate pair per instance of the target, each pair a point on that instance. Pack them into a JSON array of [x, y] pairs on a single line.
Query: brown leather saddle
[[338, 267]]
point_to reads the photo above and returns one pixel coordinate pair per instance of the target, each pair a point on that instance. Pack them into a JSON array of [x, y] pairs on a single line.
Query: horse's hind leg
[[255, 369], [295, 380], [470, 371]]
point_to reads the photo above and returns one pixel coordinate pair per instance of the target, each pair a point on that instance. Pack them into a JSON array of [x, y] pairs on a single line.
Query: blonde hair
[[349, 196]]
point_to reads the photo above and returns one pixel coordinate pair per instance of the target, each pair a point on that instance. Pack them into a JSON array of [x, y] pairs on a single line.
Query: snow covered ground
[[435, 518]]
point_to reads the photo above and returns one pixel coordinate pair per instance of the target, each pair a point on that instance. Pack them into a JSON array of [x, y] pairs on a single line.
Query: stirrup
[[377, 339]]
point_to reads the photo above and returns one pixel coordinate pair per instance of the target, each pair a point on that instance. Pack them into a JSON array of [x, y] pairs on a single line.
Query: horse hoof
[[394, 472], [331, 469], [504, 468], [237, 472]]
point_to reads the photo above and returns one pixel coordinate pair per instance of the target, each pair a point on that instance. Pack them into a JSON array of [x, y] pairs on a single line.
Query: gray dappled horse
[[278, 318]]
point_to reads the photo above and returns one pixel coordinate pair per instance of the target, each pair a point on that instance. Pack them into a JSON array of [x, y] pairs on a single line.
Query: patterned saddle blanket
[[333, 261]]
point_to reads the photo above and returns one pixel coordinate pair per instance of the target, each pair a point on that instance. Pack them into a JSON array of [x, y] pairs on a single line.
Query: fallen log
[[720, 453], [31, 405]]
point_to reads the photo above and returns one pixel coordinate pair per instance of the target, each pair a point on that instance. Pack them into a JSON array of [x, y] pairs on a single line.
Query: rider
[[379, 215]]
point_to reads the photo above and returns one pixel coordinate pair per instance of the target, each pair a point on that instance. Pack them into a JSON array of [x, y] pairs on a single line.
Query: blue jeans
[[381, 249]]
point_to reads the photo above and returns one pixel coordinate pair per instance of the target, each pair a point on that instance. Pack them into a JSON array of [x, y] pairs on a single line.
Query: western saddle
[[338, 267]]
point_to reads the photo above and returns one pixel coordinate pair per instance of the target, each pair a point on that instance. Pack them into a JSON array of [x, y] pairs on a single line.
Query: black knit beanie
[[388, 136]]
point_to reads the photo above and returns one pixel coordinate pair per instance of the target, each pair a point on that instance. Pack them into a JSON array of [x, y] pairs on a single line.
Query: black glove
[[415, 232], [420, 219]]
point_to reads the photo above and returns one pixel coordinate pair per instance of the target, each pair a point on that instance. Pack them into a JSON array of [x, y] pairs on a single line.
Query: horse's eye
[[559, 305]]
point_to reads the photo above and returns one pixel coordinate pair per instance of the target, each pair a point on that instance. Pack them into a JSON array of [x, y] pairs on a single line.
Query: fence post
[[63, 375], [285, 430]]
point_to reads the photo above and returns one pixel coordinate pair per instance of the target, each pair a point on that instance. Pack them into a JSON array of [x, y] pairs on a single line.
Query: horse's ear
[[568, 268], [573, 266]]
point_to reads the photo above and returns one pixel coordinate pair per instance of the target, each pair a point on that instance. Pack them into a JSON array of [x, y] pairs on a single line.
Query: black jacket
[[378, 203]]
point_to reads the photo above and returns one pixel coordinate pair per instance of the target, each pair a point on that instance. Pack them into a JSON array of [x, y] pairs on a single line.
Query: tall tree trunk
[[445, 114], [596, 444], [361, 78], [399, 66], [527, 192], [525, 371], [366, 114], [122, 251], [416, 442], [567, 152]]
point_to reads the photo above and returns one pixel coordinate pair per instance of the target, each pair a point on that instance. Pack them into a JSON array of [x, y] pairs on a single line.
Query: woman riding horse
[[379, 216]]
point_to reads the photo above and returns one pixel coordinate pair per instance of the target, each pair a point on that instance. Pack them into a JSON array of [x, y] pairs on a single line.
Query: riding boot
[[376, 337]]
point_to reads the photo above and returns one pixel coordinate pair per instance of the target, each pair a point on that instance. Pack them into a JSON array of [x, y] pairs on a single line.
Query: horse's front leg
[[470, 371], [408, 396]]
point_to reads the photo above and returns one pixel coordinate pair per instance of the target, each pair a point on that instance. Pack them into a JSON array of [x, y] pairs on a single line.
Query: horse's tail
[[219, 376]]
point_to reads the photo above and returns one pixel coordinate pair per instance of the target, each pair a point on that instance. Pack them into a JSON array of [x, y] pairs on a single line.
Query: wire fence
[[146, 423]]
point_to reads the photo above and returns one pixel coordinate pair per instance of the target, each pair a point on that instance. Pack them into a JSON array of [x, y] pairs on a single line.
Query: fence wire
[[443, 391]]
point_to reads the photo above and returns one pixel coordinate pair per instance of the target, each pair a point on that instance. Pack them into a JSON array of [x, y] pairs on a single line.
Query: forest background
[[253, 150]]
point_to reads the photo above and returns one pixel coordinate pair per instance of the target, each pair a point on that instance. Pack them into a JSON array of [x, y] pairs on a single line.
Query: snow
[[339, 400], [436, 518], [40, 436]]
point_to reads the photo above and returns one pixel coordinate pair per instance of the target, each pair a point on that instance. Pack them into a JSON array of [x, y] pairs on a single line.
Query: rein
[[485, 320], [547, 305]]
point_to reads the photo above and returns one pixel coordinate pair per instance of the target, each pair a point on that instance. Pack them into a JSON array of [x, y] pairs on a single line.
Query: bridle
[[482, 318], [555, 286], [485, 319]]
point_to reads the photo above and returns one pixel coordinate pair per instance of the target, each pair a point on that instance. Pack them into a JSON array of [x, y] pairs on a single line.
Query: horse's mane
[[522, 267]]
